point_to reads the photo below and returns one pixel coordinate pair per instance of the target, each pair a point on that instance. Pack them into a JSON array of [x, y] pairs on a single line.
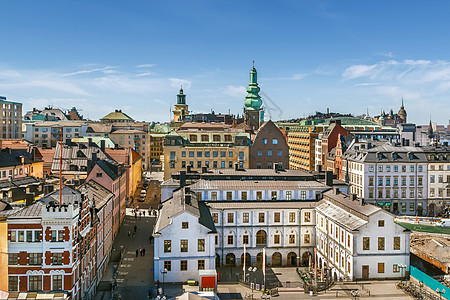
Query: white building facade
[[358, 241]]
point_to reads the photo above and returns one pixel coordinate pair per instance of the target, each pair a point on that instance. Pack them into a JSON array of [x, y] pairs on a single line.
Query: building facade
[[357, 241], [11, 114]]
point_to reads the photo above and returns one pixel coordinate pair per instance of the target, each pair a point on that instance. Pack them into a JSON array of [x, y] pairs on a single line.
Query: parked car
[[444, 223]]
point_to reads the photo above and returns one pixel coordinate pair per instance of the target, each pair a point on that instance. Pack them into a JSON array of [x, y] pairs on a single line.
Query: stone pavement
[[135, 274]]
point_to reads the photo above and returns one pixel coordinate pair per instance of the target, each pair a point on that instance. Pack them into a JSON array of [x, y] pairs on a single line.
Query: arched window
[[261, 237]]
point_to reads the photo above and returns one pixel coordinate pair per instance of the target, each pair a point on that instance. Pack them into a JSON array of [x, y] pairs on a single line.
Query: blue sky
[[310, 55]]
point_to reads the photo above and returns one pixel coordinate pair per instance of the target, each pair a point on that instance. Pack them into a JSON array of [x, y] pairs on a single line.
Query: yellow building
[[210, 145], [3, 255], [157, 134], [301, 142], [181, 108]]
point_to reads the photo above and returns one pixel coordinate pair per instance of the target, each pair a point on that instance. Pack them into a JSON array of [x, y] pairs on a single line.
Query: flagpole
[[264, 268], [243, 267]]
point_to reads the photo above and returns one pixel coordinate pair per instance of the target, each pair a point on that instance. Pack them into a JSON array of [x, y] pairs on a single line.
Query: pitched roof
[[110, 167], [177, 204], [97, 193], [117, 115]]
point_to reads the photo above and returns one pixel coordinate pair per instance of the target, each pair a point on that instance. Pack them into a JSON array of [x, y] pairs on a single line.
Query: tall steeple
[[253, 100], [402, 112], [181, 108], [254, 114], [181, 98]]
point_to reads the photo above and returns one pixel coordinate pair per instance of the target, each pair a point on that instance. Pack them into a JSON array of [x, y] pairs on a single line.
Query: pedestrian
[[140, 250], [150, 239], [143, 213], [140, 214], [143, 251], [137, 252], [135, 228], [129, 233]]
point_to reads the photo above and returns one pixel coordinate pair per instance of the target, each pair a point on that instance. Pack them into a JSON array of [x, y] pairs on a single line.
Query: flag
[[243, 265], [264, 262]]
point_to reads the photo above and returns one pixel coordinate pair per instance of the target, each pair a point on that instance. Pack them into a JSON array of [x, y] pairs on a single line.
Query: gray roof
[[256, 185], [177, 205], [76, 154], [257, 172], [7, 184], [344, 211], [386, 153], [98, 193]]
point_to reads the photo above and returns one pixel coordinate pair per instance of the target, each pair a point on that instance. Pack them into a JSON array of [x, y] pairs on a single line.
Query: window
[[420, 181], [264, 141], [201, 245], [193, 138], [432, 179], [230, 217], [245, 217], [13, 283], [259, 195], [307, 238], [21, 236], [29, 236], [275, 141], [245, 239], [215, 154], [215, 217], [348, 241], [229, 196], [395, 181], [381, 243], [98, 175], [35, 258], [366, 243], [307, 218], [223, 154], [184, 225], [191, 153], [227, 138], [13, 258], [214, 196], [205, 138], [35, 283], [380, 223], [243, 195], [380, 168], [201, 264], [207, 154], [269, 152], [259, 152], [273, 195], [292, 239], [395, 268], [371, 168], [261, 217], [230, 163], [288, 195], [199, 164], [216, 240], [216, 138], [261, 237], [292, 217], [57, 282], [280, 152], [57, 258], [276, 217], [380, 267], [167, 246], [396, 243], [395, 168], [380, 181], [184, 245], [388, 168], [183, 154], [388, 181], [230, 240], [403, 169], [303, 195], [276, 239], [168, 265], [183, 265]]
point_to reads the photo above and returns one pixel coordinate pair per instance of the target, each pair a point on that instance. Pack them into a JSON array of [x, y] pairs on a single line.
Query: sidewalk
[[135, 274]]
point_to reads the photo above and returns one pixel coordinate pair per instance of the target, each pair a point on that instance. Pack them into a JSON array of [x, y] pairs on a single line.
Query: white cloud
[[144, 74], [177, 82], [145, 66], [106, 70], [235, 91], [298, 76], [356, 71]]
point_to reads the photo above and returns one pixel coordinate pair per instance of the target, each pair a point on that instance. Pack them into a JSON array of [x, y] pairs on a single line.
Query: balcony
[[241, 158], [172, 158]]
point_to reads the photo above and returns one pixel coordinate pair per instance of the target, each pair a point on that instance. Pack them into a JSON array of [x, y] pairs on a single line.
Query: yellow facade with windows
[[301, 142]]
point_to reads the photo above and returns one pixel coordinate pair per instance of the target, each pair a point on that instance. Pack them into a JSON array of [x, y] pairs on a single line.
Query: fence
[[430, 282]]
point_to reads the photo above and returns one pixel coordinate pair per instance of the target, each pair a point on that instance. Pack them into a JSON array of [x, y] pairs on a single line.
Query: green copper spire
[[253, 100], [181, 98]]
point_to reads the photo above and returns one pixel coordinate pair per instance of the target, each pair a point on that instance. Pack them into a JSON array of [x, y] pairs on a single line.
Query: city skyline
[[310, 56]]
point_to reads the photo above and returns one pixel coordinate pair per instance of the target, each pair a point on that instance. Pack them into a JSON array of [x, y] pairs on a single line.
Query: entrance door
[[365, 272], [395, 206]]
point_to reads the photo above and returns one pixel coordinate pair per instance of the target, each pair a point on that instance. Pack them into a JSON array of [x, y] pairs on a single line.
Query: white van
[[444, 223]]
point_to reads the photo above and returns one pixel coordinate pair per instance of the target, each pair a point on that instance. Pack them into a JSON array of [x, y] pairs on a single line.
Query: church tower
[[402, 113], [254, 114], [181, 108]]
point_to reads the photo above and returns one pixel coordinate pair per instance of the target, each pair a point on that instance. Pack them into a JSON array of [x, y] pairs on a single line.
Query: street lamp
[[163, 273], [252, 270], [440, 292], [402, 270]]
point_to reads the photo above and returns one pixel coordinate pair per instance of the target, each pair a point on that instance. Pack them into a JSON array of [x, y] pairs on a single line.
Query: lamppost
[[402, 270], [250, 271], [164, 272], [440, 292]]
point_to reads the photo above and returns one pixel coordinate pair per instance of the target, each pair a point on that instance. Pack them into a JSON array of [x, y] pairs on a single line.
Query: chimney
[[29, 197], [337, 191], [102, 145], [69, 142], [338, 122], [182, 178], [329, 178], [89, 141], [353, 197], [94, 157]]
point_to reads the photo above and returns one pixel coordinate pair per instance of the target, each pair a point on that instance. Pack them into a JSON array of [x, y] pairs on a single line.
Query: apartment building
[[11, 116], [51, 246], [198, 145], [393, 177], [48, 134], [355, 241]]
